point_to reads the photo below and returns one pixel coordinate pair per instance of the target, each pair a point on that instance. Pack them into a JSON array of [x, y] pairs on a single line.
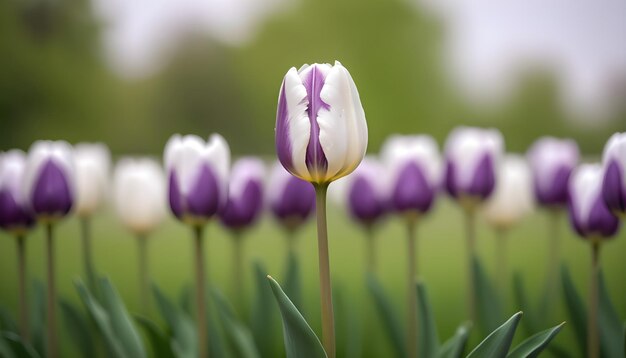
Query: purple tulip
[[552, 161], [198, 176], [366, 192], [472, 155], [589, 215], [245, 196], [291, 199], [414, 167], [614, 179], [15, 215], [49, 179]]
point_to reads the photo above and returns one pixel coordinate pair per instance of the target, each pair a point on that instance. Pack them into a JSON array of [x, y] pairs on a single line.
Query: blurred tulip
[[197, 176], [367, 193], [92, 161], [245, 195], [472, 156], [15, 215], [321, 133], [512, 199], [291, 199], [614, 179], [552, 161]]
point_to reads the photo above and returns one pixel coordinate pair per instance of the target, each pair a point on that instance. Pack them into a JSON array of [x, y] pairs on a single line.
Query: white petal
[[298, 121], [217, 154], [92, 163], [547, 155], [585, 187], [466, 146], [245, 170], [422, 150], [12, 170]]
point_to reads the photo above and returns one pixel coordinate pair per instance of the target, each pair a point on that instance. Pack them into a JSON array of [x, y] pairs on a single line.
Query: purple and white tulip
[[197, 176], [15, 215], [472, 156], [321, 132], [49, 182], [614, 179], [291, 199], [245, 194], [589, 215], [552, 161], [415, 171], [92, 161]]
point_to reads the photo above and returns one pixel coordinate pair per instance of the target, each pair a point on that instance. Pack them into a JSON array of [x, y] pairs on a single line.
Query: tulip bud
[[139, 194], [614, 179], [321, 133], [414, 165], [589, 214], [245, 194], [291, 199], [512, 198], [49, 179], [552, 161], [472, 155], [367, 192], [198, 176], [92, 161], [15, 215]]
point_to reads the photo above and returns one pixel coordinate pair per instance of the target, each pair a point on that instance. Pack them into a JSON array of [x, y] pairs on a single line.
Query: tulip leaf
[[263, 314], [497, 344], [121, 321], [521, 299], [13, 346], [575, 308], [300, 340], [347, 325], [427, 339], [488, 306], [293, 286], [454, 347], [160, 344], [531, 347], [7, 323], [184, 340], [79, 328], [185, 299], [239, 336], [609, 323], [388, 316]]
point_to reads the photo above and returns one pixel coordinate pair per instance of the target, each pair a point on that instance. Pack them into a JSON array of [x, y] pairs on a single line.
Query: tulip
[[16, 218], [139, 200], [472, 156], [592, 220], [244, 204], [92, 163], [198, 189], [49, 190], [614, 179], [321, 136]]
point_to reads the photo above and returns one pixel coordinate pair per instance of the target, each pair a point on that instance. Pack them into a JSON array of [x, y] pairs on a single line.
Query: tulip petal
[[613, 191], [51, 193], [313, 80]]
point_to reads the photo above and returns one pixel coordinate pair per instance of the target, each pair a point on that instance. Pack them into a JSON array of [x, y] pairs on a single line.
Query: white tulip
[[92, 162]]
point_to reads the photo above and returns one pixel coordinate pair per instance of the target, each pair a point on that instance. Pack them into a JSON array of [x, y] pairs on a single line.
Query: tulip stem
[[593, 348], [328, 321], [502, 261], [144, 278], [371, 249], [411, 297], [21, 267], [292, 273], [552, 266], [201, 313], [87, 255], [51, 325], [470, 231], [238, 286]]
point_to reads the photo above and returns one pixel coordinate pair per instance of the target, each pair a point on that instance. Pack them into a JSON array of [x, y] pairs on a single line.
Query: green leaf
[[610, 325], [488, 306], [347, 324], [37, 319], [161, 347], [79, 328], [300, 340], [427, 339], [7, 323], [237, 334], [575, 309], [454, 347], [521, 299], [293, 286], [184, 337], [497, 344], [185, 300], [388, 316], [531, 347], [263, 314], [17, 347], [121, 322]]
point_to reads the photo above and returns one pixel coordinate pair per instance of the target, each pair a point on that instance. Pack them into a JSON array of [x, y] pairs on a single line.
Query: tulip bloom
[[614, 180], [592, 220], [16, 218], [321, 136], [291, 199]]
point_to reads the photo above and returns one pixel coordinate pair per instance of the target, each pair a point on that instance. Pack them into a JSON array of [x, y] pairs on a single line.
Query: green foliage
[[159, 342], [532, 346], [238, 335], [79, 328], [293, 286], [427, 340], [263, 314], [184, 341], [390, 320], [611, 337], [497, 344], [488, 305], [12, 345], [454, 347]]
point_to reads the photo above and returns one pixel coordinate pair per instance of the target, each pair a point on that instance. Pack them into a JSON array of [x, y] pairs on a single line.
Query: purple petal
[[412, 191], [51, 194], [203, 200], [242, 211], [557, 193], [315, 157], [13, 215], [175, 197], [297, 200], [450, 180], [613, 190], [601, 221], [363, 202], [483, 181], [283, 144]]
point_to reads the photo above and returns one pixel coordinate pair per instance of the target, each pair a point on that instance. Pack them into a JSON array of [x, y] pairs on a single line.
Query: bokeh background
[[131, 73]]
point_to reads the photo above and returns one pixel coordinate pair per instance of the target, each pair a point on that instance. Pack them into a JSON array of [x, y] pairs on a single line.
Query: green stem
[[87, 254], [144, 277], [201, 313], [238, 264], [552, 266], [21, 268], [51, 321], [470, 231], [502, 262], [328, 321], [371, 249], [411, 297], [593, 346]]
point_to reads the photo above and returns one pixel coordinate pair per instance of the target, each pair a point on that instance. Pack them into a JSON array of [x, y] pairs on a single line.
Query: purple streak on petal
[[601, 220], [613, 190], [203, 200], [283, 144], [297, 200], [175, 197], [51, 194], [363, 202], [412, 191], [577, 223], [557, 193], [450, 180], [12, 214], [315, 157], [244, 210], [484, 179]]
